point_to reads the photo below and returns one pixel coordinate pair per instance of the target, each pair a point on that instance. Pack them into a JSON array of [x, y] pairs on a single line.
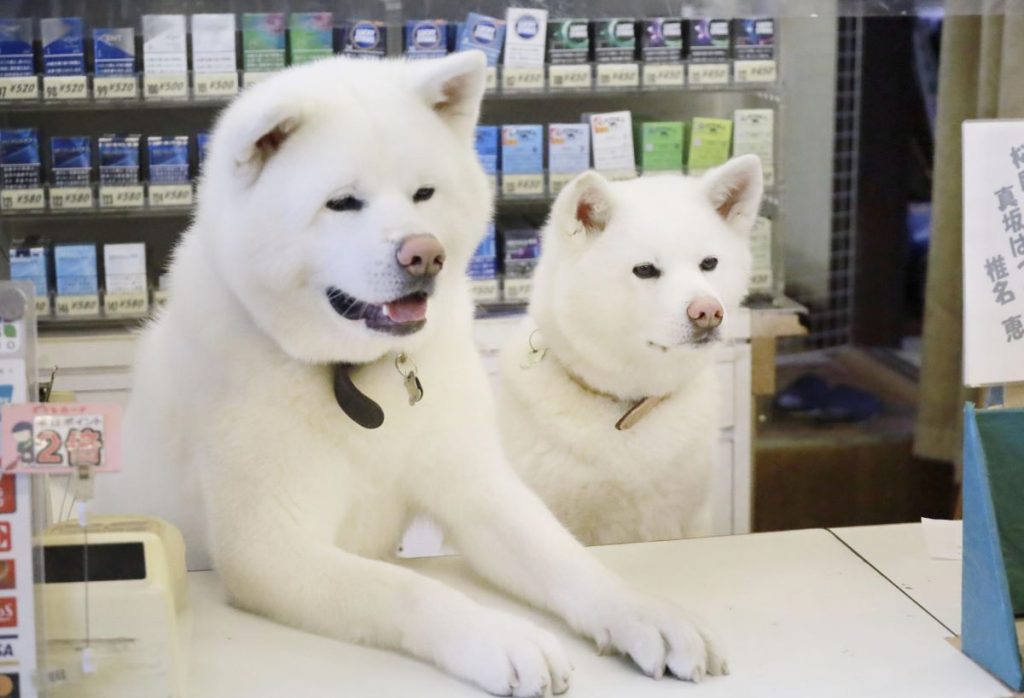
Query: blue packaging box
[[484, 263], [71, 160], [753, 39], [522, 250], [19, 158], [709, 40], [119, 159], [522, 149], [114, 51], [76, 270], [16, 54], [483, 33], [487, 148], [364, 39], [63, 45], [168, 159], [31, 263], [426, 38]]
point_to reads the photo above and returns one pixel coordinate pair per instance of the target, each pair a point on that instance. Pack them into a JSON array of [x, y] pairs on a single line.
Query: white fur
[[627, 338], [304, 509]]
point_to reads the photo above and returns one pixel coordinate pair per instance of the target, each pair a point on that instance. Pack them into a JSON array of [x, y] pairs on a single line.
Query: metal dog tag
[[414, 387]]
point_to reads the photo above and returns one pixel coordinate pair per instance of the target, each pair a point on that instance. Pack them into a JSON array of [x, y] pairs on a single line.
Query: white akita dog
[[315, 362], [609, 404]]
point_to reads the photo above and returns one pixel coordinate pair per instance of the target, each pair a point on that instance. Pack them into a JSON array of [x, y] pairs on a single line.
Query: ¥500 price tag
[[60, 438], [169, 86], [216, 84]]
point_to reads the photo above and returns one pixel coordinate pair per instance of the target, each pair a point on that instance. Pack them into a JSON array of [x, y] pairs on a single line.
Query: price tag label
[[570, 77], [22, 199], [159, 298], [558, 180], [126, 304], [170, 194], [115, 87], [78, 306], [19, 87], [59, 87], [663, 75], [514, 79], [216, 84], [518, 290], [755, 71], [42, 305], [131, 196], [253, 77], [522, 184], [618, 75], [485, 290], [619, 175], [492, 77], [708, 73], [70, 198], [171, 86], [61, 438]]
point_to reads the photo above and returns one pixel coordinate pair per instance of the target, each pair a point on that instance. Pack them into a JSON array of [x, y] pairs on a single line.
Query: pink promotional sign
[[60, 438]]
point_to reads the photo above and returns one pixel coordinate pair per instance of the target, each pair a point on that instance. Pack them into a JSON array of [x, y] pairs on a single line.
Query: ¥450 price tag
[[60, 438]]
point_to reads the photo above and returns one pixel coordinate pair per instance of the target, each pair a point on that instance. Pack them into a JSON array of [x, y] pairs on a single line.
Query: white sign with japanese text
[[993, 251]]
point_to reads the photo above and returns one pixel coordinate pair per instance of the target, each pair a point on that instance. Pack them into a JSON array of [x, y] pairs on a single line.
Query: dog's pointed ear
[[735, 191], [453, 87], [262, 137], [584, 205]]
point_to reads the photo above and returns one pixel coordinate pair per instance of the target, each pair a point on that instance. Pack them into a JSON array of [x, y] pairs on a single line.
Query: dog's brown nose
[[421, 255], [705, 312]]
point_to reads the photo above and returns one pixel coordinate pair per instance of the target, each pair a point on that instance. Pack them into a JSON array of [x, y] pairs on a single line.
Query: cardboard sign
[[60, 438], [993, 251]]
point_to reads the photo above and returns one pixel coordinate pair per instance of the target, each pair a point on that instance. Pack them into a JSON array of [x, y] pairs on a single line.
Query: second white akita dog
[[609, 403], [315, 365]]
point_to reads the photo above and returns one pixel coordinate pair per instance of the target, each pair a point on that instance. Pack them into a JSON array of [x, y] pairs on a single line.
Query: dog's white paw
[[658, 637], [504, 655]]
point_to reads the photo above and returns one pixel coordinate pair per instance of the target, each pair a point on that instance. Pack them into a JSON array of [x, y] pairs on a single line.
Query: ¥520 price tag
[[19, 87], [61, 438], [60, 87], [115, 87]]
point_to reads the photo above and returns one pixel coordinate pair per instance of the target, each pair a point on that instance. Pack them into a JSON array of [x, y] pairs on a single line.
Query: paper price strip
[[517, 289], [171, 86], [115, 87], [216, 84], [70, 198], [663, 75], [78, 306], [22, 199], [19, 87], [61, 438], [59, 87], [484, 290], [708, 73], [253, 77], [126, 304], [570, 77], [170, 194], [755, 71], [618, 75], [557, 180], [522, 184], [492, 78], [514, 79], [132, 196]]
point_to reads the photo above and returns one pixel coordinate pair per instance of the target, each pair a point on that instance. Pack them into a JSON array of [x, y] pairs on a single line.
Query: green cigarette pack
[[710, 140], [661, 146]]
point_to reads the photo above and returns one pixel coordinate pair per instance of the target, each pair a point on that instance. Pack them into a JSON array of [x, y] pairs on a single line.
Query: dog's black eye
[[423, 194], [345, 203], [708, 263], [646, 271]]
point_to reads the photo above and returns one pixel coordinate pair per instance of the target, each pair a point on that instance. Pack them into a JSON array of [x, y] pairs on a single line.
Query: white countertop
[[800, 613]]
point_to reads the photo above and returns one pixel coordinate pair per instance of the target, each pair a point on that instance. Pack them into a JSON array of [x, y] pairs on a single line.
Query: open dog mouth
[[401, 316]]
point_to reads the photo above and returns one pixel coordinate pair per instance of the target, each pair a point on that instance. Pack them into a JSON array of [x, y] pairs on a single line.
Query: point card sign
[[61, 438], [993, 251]]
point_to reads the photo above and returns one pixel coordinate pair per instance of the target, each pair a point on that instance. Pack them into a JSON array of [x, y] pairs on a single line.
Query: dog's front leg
[[510, 537]]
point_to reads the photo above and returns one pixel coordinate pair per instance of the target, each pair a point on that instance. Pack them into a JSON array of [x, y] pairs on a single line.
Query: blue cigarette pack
[[76, 270], [426, 38], [482, 33], [522, 149], [114, 51], [364, 39], [63, 45], [32, 264], [119, 159], [484, 263], [487, 148], [753, 39], [16, 54], [71, 160], [522, 250], [19, 158], [168, 159]]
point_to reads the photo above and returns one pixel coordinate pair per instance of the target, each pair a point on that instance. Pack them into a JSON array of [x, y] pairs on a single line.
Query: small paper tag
[[19, 87], [663, 75], [492, 78], [22, 199], [484, 290], [170, 86], [518, 290], [619, 175], [755, 71], [115, 87], [68, 198], [78, 306], [216, 84], [59, 87], [514, 79], [253, 77], [522, 184], [61, 438], [618, 75], [170, 194], [132, 196], [570, 77], [42, 305], [126, 304], [557, 180], [708, 73]]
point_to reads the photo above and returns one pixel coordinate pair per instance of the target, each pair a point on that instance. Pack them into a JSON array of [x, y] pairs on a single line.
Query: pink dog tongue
[[408, 309]]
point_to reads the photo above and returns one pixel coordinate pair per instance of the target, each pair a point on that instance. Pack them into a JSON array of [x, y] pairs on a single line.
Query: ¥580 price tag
[[60, 438]]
